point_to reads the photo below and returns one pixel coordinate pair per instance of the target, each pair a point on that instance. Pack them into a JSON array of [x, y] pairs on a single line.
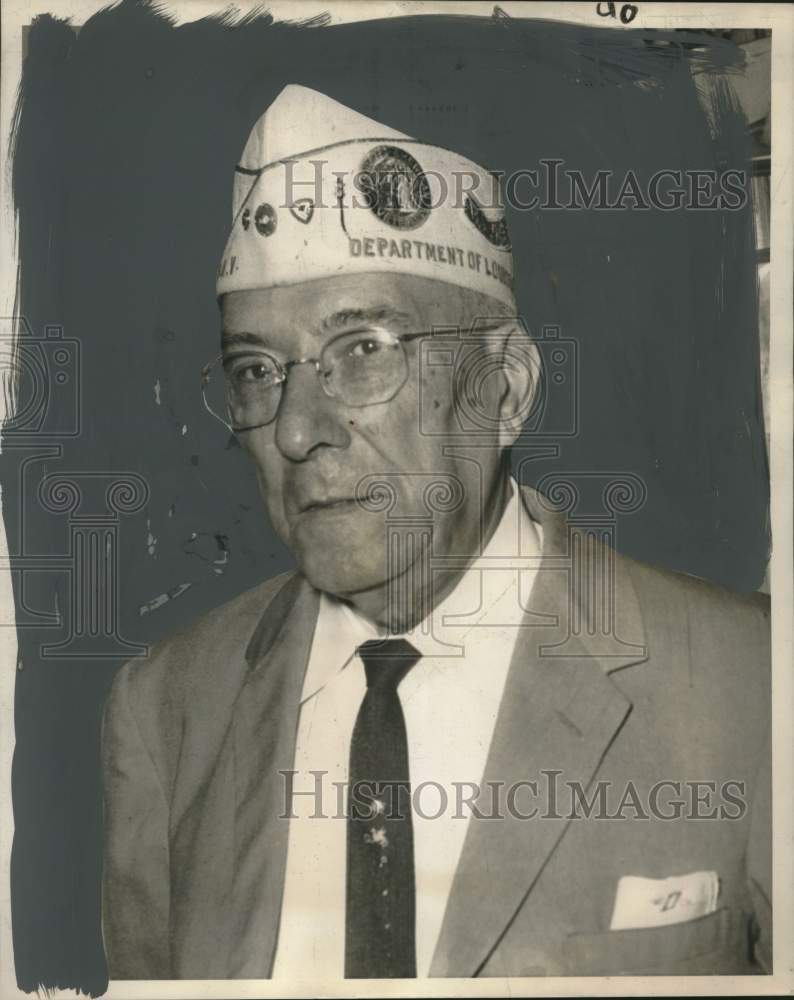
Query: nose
[[307, 418]]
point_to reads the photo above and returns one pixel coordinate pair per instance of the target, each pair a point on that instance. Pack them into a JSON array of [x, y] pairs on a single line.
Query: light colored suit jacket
[[667, 679]]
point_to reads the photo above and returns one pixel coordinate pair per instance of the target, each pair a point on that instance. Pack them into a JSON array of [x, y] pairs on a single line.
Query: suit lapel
[[559, 713], [263, 734]]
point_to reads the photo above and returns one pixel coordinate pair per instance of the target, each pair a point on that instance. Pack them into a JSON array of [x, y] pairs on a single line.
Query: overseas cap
[[322, 190]]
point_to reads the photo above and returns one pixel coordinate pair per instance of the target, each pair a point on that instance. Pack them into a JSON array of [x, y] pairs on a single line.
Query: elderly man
[[462, 738]]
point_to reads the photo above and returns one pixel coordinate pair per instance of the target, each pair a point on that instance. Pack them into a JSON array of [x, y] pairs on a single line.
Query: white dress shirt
[[450, 700]]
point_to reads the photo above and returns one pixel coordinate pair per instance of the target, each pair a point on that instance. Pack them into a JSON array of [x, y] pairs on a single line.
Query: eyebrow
[[377, 314], [232, 339], [339, 320]]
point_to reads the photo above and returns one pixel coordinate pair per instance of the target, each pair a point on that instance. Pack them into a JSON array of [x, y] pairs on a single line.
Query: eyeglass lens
[[359, 368]]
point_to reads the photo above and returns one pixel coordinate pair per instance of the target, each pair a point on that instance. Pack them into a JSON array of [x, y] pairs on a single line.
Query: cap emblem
[[394, 186]]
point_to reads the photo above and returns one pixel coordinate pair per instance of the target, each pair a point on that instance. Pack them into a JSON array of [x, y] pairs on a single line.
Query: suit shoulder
[[711, 639], [210, 647], [699, 594], [189, 681]]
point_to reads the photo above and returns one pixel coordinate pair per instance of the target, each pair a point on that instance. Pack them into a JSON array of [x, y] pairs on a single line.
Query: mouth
[[339, 504]]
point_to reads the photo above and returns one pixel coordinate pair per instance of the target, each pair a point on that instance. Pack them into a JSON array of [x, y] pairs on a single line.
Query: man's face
[[311, 460]]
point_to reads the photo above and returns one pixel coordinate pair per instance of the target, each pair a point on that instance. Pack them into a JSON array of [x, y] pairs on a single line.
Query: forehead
[[330, 303]]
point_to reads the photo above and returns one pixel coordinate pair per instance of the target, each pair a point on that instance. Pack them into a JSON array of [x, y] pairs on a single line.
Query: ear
[[521, 374]]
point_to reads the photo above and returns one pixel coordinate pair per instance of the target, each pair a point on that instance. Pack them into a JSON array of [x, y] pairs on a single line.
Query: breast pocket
[[711, 945]]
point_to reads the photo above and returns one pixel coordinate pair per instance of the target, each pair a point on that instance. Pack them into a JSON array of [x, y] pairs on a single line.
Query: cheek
[[436, 412], [410, 433], [261, 450], [391, 429]]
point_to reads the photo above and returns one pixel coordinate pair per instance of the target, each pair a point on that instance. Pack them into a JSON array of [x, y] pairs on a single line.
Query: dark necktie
[[380, 910]]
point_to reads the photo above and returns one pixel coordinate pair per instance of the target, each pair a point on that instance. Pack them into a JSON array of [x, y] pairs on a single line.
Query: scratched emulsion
[[124, 147]]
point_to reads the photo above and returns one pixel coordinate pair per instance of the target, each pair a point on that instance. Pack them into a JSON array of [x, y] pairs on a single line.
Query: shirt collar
[[338, 633], [340, 629], [452, 622]]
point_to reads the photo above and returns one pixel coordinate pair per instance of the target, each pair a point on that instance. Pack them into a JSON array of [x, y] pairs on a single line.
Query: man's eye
[[252, 370], [366, 346], [254, 373]]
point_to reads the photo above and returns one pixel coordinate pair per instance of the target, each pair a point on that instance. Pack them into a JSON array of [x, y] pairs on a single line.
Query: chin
[[341, 558], [341, 579]]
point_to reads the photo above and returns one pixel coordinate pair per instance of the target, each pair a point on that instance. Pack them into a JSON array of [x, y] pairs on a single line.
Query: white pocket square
[[657, 902]]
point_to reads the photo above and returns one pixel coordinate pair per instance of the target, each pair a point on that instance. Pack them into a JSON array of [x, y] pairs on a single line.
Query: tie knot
[[387, 661]]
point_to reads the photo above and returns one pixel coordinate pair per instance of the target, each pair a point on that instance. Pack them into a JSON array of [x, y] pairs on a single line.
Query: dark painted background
[[126, 139]]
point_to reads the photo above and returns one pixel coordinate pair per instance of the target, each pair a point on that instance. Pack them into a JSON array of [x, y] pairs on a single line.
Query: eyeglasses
[[360, 368]]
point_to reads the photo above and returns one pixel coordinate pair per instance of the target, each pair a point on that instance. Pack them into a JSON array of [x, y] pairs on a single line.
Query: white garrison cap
[[322, 190]]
